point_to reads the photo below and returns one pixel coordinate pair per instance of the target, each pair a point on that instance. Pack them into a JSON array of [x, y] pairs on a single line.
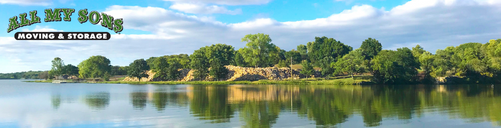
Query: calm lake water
[[119, 105]]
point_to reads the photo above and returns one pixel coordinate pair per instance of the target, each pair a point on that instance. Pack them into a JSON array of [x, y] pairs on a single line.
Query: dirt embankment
[[237, 73]]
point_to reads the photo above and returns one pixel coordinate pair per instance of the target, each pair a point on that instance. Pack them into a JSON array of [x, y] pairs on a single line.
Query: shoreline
[[346, 81]]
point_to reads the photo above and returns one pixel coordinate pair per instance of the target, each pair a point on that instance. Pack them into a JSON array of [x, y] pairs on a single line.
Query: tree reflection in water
[[260, 106], [97, 100]]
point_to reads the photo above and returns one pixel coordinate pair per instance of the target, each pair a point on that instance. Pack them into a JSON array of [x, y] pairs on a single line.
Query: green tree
[[394, 66], [138, 69], [173, 69], [199, 63], [307, 69], [259, 51], [370, 48], [94, 67], [160, 67], [351, 63], [325, 64], [327, 47], [426, 61], [57, 67], [218, 71]]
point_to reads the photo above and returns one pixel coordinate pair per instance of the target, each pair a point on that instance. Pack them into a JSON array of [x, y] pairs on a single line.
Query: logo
[[51, 15]]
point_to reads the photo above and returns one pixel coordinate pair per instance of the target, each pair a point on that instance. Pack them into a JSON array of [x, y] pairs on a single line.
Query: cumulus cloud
[[225, 2], [27, 2], [434, 24], [203, 9]]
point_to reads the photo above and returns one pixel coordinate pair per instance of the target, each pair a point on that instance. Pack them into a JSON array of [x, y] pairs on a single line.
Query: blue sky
[[163, 27]]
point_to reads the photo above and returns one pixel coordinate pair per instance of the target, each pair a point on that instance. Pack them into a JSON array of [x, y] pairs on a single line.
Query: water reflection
[[97, 100], [139, 99], [261, 105], [56, 101]]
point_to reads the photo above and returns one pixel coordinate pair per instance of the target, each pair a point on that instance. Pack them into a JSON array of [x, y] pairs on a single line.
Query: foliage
[[295, 55], [119, 70], [70, 70], [307, 68], [283, 63], [325, 64], [57, 67], [22, 75], [94, 67], [173, 69], [259, 51], [218, 71], [370, 48], [138, 69], [302, 49], [239, 60], [391, 67], [326, 47], [160, 67], [199, 63], [351, 63]]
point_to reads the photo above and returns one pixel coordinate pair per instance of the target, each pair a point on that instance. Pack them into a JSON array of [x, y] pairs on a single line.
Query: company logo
[[54, 15]]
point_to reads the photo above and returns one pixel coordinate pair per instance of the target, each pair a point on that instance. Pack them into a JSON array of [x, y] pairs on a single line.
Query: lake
[[25, 104]]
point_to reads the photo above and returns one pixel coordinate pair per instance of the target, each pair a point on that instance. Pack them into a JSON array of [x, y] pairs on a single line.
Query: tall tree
[[199, 63], [307, 69], [259, 51], [57, 67], [138, 69], [94, 67]]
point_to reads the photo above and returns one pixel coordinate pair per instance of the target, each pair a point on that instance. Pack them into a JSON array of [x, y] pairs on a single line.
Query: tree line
[[472, 62], [21, 75]]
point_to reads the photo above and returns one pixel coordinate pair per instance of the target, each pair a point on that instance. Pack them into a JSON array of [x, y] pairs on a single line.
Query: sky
[[166, 27]]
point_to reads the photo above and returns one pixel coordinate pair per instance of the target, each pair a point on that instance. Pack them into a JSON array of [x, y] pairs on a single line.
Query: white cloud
[[225, 2], [199, 8], [27, 2], [433, 26]]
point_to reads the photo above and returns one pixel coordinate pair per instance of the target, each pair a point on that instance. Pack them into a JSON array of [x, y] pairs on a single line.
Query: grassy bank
[[344, 81]]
